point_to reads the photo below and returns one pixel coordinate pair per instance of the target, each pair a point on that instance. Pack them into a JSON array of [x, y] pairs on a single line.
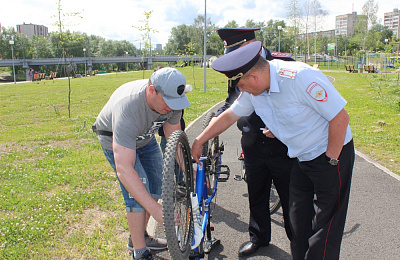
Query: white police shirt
[[297, 109]]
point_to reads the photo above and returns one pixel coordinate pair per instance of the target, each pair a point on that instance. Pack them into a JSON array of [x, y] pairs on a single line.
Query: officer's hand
[[267, 132], [197, 149]]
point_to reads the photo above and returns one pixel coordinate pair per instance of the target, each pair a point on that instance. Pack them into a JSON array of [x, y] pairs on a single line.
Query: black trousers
[[319, 197], [265, 161]]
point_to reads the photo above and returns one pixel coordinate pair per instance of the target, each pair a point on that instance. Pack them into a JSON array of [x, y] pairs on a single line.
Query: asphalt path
[[372, 230]]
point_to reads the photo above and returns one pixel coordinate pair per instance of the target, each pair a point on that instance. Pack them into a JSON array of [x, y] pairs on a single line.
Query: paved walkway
[[372, 230]]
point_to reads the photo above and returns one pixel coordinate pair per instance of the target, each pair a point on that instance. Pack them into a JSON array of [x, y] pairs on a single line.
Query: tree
[[214, 44], [231, 24], [318, 14], [145, 30], [183, 35], [294, 14], [250, 23], [269, 34], [196, 33], [306, 17], [369, 10], [42, 47], [177, 40], [60, 25], [21, 48]]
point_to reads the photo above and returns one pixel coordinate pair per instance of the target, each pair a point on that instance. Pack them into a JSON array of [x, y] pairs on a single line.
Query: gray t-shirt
[[130, 118]]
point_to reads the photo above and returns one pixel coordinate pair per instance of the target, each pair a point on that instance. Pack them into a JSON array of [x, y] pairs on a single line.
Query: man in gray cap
[[265, 158], [126, 127], [300, 107]]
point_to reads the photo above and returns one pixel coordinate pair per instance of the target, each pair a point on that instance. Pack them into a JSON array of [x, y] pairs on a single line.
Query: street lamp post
[[126, 61], [84, 55], [386, 41], [11, 42], [279, 41]]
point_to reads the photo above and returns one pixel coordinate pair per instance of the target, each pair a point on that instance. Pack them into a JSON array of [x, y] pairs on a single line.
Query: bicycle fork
[[201, 204]]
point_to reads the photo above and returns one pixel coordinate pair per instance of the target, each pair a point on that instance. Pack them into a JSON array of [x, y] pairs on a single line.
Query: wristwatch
[[332, 161]]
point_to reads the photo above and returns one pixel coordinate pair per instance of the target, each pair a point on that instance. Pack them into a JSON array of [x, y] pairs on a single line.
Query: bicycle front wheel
[[210, 148], [176, 187]]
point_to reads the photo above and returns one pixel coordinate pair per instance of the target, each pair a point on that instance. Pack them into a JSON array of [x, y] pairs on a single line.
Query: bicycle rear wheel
[[176, 187], [274, 200], [210, 148]]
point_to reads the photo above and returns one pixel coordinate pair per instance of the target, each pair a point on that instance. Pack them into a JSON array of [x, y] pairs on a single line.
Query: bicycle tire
[[274, 200], [176, 189], [209, 148]]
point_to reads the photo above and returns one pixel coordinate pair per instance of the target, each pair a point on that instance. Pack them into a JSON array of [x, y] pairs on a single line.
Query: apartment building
[[330, 34], [33, 29], [345, 24], [391, 20]]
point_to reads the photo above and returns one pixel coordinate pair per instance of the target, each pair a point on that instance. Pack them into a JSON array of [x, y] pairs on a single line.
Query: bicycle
[[274, 200], [188, 199]]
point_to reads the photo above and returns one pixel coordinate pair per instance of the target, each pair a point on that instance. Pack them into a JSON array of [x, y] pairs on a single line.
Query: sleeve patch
[[317, 92]]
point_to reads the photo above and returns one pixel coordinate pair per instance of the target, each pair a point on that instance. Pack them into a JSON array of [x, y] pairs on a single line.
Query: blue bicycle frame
[[201, 191], [204, 200]]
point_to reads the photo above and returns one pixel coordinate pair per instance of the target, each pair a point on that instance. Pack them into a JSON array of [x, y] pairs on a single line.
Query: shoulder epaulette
[[287, 73], [276, 54]]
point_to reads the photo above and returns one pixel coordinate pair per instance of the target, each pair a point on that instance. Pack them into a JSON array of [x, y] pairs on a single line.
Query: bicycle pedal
[[238, 178], [223, 176], [210, 244]]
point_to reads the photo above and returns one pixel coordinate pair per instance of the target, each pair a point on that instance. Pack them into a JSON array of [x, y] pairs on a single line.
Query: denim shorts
[[149, 163]]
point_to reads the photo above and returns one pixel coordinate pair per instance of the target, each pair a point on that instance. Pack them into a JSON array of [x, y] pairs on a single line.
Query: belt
[[101, 132]]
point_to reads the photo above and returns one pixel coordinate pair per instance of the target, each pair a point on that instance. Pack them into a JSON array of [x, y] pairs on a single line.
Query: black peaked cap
[[232, 36], [236, 63]]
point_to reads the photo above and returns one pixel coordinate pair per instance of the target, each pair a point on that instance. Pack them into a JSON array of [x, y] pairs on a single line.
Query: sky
[[117, 19]]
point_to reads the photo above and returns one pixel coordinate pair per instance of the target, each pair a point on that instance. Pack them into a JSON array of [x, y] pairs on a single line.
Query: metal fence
[[379, 61]]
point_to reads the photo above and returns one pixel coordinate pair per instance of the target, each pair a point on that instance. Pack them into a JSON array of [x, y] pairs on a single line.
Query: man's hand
[[267, 132], [197, 149], [216, 127], [158, 215]]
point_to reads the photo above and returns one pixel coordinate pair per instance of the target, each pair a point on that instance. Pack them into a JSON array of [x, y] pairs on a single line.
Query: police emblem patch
[[317, 92]]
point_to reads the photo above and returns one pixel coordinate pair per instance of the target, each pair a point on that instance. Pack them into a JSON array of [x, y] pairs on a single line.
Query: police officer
[[265, 158], [303, 109]]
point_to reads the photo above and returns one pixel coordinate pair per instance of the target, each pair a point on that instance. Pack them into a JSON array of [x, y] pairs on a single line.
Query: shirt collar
[[273, 82], [263, 53]]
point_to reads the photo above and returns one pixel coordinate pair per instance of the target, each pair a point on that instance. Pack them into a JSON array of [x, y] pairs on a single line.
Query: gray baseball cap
[[171, 83]]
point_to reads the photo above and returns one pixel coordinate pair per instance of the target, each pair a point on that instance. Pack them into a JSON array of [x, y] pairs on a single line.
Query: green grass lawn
[[59, 196], [374, 109]]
